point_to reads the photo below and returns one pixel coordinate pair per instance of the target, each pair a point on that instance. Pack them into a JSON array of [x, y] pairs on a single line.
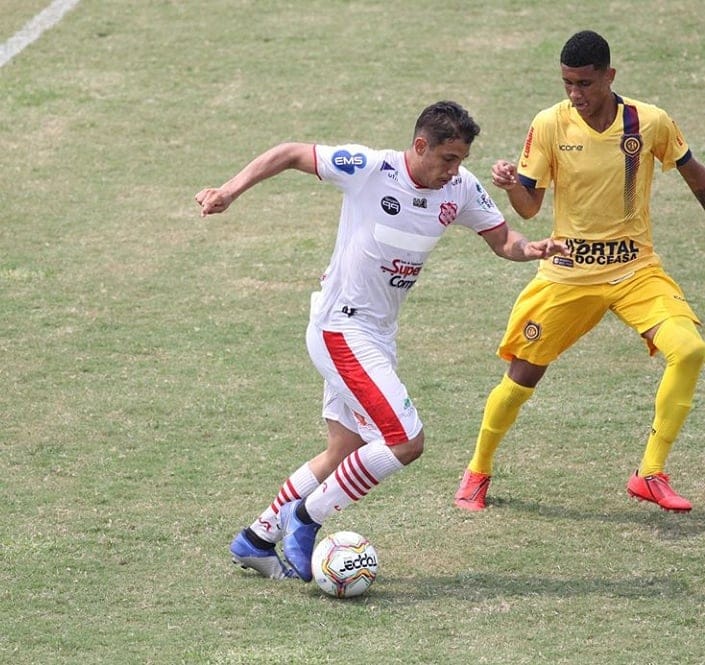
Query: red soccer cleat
[[472, 491], [655, 488]]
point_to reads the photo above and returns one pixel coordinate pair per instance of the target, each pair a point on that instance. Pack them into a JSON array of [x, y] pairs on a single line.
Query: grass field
[[155, 383]]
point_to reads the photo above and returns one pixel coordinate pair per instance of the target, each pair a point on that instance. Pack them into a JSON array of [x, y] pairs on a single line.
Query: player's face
[[589, 89], [437, 166]]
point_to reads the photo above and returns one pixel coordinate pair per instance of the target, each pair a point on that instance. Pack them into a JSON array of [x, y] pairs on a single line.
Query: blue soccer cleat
[[265, 561], [298, 540]]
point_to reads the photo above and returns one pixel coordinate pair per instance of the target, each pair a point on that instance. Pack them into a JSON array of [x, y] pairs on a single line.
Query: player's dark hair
[[446, 121], [584, 49]]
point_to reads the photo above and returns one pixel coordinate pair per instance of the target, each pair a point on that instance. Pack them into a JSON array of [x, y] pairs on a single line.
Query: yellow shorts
[[548, 317]]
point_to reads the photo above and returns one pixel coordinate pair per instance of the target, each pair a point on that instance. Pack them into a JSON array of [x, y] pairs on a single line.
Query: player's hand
[[212, 200], [543, 249], [504, 174]]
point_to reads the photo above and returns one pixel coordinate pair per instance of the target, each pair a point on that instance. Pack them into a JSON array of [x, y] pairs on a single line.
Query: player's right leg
[[501, 410]]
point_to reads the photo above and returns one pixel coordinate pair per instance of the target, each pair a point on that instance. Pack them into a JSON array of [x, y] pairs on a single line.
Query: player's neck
[[604, 117]]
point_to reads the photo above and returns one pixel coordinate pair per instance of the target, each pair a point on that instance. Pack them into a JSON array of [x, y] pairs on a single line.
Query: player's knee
[[696, 351], [681, 343], [407, 452]]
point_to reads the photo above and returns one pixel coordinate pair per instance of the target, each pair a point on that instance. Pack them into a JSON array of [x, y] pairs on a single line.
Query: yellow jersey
[[601, 186]]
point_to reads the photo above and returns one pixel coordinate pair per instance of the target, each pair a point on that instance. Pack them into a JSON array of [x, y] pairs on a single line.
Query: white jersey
[[388, 227]]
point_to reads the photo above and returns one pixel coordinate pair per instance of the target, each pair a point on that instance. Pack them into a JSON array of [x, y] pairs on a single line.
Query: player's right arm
[[299, 156], [525, 200]]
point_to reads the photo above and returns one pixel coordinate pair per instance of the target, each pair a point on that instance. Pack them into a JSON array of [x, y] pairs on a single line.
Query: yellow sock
[[684, 350], [501, 410]]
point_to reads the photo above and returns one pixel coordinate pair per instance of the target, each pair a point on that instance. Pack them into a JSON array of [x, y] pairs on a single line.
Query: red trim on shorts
[[364, 389]]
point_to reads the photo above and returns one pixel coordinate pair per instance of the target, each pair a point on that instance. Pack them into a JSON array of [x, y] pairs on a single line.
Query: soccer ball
[[344, 564]]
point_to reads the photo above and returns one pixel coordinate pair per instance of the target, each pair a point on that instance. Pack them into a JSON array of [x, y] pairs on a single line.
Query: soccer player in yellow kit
[[597, 149]]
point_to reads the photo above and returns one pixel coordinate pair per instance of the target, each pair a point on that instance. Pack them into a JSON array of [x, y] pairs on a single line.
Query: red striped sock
[[297, 486], [354, 477]]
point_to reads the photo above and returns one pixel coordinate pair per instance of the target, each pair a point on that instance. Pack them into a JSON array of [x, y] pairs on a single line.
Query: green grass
[[155, 384]]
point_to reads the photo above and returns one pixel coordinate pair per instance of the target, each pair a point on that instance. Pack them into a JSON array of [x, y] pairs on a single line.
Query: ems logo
[[344, 161], [532, 331], [632, 144]]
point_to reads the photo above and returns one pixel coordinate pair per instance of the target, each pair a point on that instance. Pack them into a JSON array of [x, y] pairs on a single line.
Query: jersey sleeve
[[670, 148], [346, 166], [479, 212], [534, 167]]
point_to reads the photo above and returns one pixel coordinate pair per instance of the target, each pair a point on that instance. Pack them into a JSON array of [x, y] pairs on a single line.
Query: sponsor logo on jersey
[[403, 273], [563, 261], [347, 163], [484, 200], [392, 172], [532, 331], [390, 205], [527, 143], [602, 252], [420, 203], [631, 144], [567, 147], [448, 213]]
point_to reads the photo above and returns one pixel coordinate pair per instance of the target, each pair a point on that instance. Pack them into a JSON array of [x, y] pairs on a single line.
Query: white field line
[[32, 30]]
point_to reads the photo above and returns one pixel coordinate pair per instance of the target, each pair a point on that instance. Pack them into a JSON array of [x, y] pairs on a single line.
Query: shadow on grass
[[479, 587], [669, 525]]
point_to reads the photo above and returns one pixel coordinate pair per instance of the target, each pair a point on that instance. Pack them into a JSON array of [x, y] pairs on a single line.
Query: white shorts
[[362, 390]]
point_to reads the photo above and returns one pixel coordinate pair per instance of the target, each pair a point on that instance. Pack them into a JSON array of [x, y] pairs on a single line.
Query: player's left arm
[[514, 246], [693, 172]]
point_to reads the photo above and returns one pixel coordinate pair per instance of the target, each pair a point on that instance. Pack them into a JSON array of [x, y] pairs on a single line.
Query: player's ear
[[420, 145]]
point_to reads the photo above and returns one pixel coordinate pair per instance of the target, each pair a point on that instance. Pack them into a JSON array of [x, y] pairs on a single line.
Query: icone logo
[[344, 161]]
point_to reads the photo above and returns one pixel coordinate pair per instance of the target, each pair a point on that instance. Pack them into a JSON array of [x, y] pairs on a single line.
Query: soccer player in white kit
[[396, 205]]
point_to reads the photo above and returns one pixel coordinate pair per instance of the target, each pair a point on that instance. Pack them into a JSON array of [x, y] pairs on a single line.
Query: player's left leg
[[654, 305], [683, 347]]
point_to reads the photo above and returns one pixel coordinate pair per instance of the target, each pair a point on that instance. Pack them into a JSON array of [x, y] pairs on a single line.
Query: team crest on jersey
[[449, 211], [347, 163], [532, 331], [632, 144]]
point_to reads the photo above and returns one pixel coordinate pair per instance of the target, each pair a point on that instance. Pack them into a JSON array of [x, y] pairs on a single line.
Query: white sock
[[297, 486], [354, 477]]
